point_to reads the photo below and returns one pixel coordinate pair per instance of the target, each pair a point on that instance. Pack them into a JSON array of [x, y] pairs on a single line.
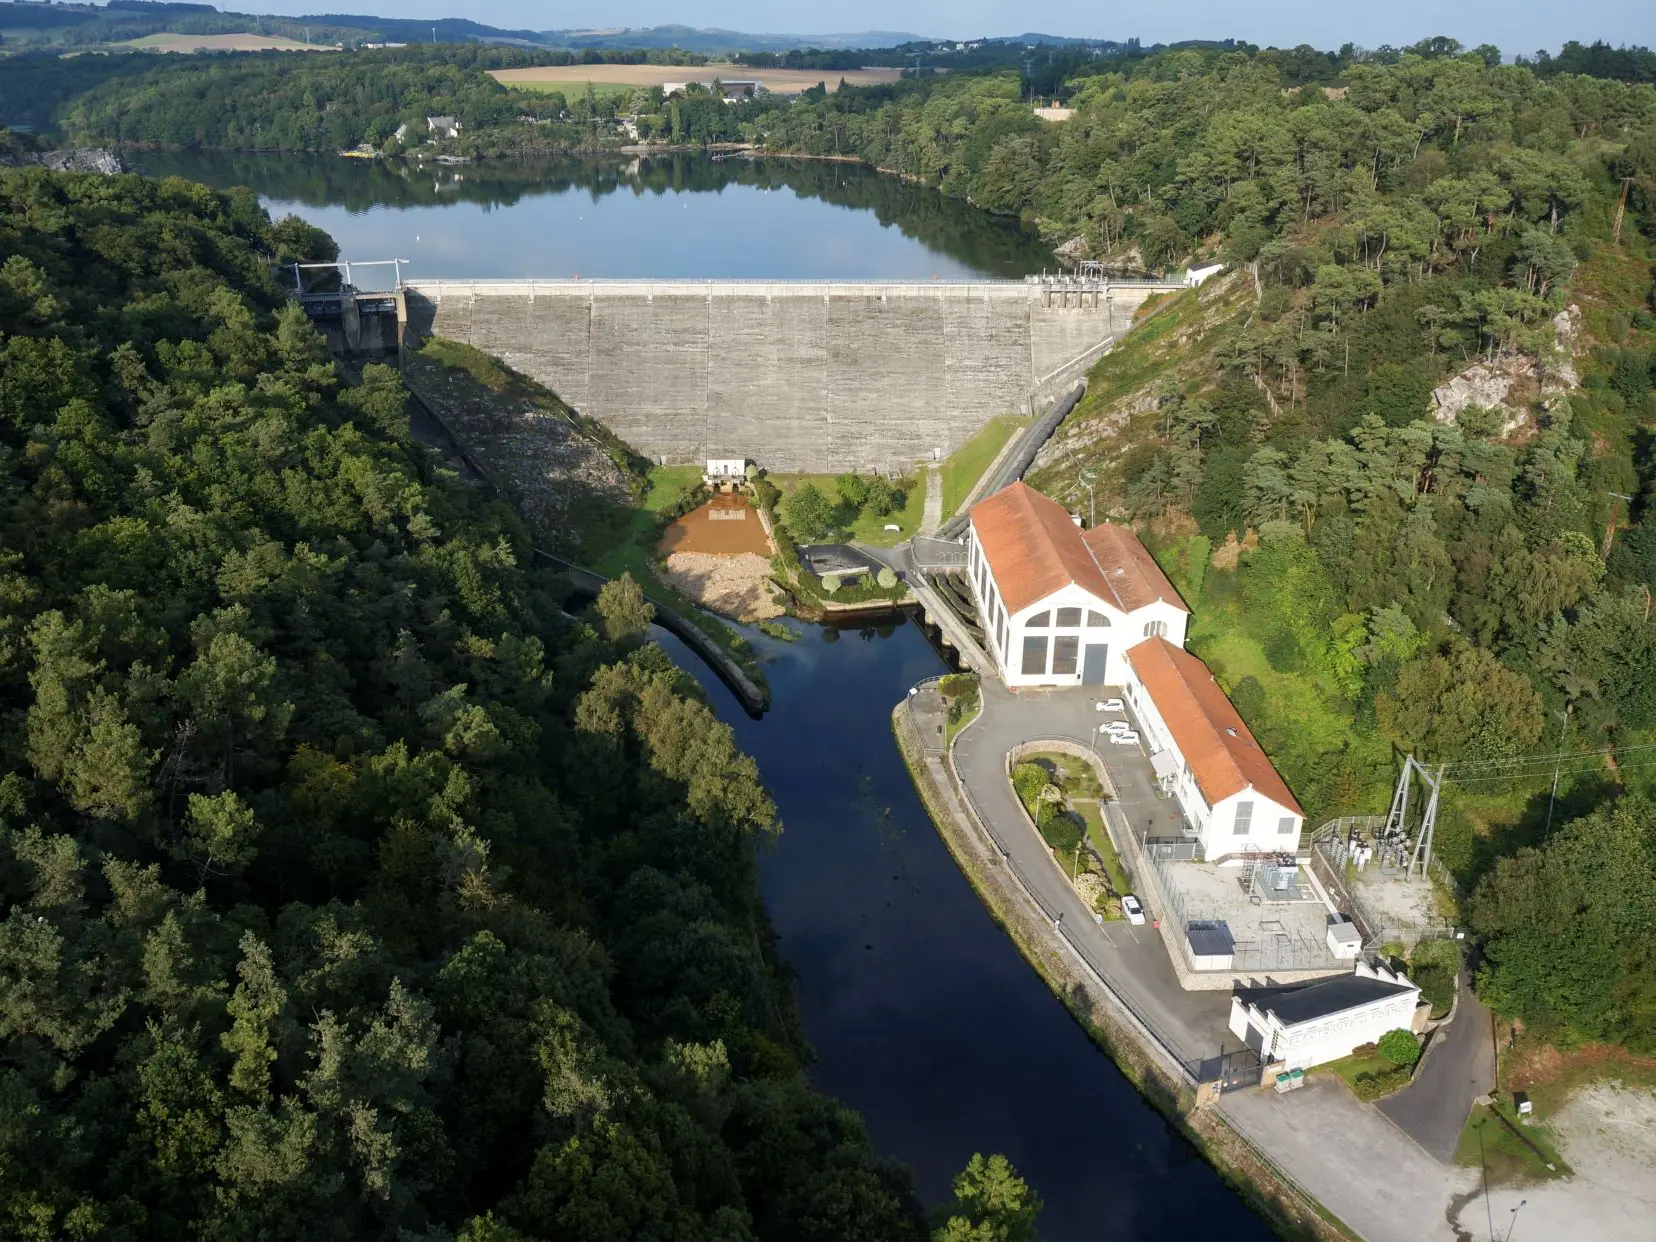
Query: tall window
[[1069, 618], [1097, 620], [1285, 825], [1155, 629], [1244, 818], [1039, 621], [1066, 648], [1034, 655]]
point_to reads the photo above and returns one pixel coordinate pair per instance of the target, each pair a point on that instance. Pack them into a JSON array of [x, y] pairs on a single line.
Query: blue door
[[1093, 662]]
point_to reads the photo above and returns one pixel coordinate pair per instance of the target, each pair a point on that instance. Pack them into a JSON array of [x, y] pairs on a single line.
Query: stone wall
[[798, 377]]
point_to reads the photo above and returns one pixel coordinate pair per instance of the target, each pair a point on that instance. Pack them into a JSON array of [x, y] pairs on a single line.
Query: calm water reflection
[[678, 216], [923, 1015]]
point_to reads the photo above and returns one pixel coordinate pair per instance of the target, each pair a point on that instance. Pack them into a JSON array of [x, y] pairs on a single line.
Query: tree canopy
[[347, 887]]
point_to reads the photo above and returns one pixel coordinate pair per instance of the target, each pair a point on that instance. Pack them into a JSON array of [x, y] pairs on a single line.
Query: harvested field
[[219, 43], [777, 81], [736, 586], [725, 526]]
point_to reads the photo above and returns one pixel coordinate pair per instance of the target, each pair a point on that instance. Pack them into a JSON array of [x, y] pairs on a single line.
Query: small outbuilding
[[442, 126], [1305, 1026]]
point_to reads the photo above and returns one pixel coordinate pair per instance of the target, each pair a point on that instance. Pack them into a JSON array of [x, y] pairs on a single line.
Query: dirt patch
[[737, 586], [777, 81], [1532, 1064], [726, 525], [1607, 1133]]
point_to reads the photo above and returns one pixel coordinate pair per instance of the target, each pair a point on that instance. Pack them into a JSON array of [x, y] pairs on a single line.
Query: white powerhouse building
[[1302, 1027], [1064, 607], [1061, 607]]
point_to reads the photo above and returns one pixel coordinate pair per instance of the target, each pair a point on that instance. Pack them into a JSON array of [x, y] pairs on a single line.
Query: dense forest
[[349, 888], [1376, 570]]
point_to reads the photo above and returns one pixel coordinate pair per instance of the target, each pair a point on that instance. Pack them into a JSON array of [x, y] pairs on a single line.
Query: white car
[[1110, 705], [1131, 908], [1115, 726], [1125, 738]]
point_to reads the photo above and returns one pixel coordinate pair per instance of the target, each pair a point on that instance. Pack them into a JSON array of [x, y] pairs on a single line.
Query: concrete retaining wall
[[796, 376]]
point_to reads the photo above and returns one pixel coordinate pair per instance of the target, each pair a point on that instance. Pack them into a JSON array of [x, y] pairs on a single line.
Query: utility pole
[[1610, 527], [1563, 730], [1397, 817]]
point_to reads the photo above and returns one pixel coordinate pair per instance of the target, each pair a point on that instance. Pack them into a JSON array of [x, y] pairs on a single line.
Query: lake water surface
[[923, 1015]]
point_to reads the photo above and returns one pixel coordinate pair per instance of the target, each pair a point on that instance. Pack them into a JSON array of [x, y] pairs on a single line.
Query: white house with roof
[[1305, 1026], [1061, 606], [1205, 756]]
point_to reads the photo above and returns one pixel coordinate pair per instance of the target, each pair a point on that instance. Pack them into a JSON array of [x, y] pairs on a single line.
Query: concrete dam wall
[[795, 376]]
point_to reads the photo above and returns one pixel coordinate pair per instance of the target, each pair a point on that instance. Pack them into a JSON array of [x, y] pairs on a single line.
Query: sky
[[1513, 25]]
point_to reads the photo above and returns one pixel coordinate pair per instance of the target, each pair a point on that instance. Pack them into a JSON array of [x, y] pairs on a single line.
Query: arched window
[[1155, 629], [1039, 621], [1097, 620]]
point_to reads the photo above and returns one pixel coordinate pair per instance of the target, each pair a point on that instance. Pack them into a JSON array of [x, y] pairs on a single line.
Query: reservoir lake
[[923, 1015]]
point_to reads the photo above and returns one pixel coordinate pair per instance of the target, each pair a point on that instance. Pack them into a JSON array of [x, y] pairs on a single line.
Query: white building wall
[[1324, 1039], [1215, 824], [1123, 631], [1266, 830]]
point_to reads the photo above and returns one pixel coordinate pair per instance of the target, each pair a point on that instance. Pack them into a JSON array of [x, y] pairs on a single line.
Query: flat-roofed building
[[1305, 1026]]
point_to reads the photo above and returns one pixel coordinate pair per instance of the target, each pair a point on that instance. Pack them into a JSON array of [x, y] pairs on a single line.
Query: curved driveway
[[1133, 959]]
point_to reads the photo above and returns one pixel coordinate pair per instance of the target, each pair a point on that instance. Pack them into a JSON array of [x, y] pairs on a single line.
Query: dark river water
[[923, 1015]]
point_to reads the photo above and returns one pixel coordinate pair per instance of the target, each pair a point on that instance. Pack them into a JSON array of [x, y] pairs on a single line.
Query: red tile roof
[[1130, 569], [1216, 745], [1034, 547]]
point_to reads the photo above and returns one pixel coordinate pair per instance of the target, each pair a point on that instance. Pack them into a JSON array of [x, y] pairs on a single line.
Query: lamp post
[[1514, 1220]]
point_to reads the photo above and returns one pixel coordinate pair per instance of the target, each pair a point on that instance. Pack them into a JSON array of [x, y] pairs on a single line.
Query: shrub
[[1029, 779], [830, 583], [808, 513], [887, 577], [1365, 1050], [1060, 829], [1373, 1084], [1400, 1047]]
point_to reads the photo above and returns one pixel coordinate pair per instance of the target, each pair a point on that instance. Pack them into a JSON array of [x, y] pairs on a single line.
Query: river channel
[[923, 1015]]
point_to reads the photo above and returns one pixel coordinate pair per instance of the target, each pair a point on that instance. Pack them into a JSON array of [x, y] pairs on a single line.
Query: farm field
[[778, 81], [218, 43]]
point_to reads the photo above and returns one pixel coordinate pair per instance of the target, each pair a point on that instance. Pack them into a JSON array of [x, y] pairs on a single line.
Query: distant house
[[1061, 606], [1198, 275], [1305, 1026], [442, 127], [736, 92]]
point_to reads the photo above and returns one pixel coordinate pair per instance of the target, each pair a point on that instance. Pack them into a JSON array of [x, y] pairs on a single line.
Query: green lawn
[[1383, 1077], [1491, 1144], [965, 466], [865, 528]]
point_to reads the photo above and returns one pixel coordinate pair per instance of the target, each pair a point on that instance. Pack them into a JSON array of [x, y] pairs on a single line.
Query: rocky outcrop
[[1511, 384], [73, 159]]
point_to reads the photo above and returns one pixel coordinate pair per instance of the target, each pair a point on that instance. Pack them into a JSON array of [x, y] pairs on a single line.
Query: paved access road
[[1357, 1165], [1459, 1067], [1133, 959]]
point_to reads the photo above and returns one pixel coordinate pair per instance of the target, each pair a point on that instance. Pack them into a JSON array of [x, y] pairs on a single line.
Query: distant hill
[[38, 25], [712, 42]]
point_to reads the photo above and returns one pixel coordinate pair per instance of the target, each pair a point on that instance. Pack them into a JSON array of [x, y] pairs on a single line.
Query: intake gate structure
[[798, 376]]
